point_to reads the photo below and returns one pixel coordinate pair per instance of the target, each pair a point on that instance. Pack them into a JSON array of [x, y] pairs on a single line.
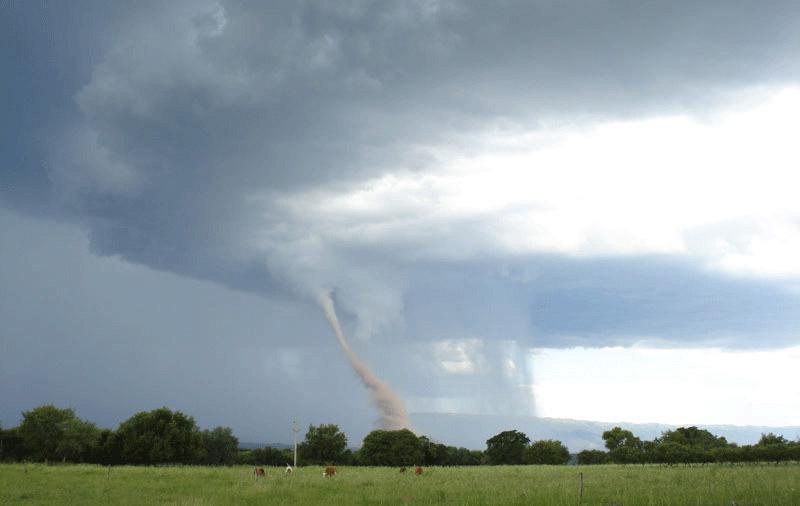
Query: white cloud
[[244, 132], [459, 356], [720, 190], [677, 386]]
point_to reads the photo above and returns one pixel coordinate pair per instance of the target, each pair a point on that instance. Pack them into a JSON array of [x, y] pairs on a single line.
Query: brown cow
[[418, 470], [259, 471], [329, 471]]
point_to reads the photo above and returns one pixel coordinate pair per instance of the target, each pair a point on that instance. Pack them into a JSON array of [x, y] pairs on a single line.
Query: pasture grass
[[632, 485]]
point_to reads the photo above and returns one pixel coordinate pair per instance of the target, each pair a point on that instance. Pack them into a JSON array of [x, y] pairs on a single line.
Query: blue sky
[[490, 195]]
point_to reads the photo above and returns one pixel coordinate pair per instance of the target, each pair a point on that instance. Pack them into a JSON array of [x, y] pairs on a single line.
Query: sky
[[562, 209]]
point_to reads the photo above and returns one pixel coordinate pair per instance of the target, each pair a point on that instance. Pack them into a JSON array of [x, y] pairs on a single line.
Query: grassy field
[[767, 485]]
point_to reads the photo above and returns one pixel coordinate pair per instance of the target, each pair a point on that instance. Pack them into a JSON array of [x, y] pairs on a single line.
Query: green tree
[[466, 457], [50, 433], [618, 437], [391, 448], [435, 454], [78, 439], [160, 436], [673, 453], [267, 456], [730, 453], [771, 439], [507, 447], [692, 436], [221, 446], [41, 430], [12, 447], [324, 444], [624, 447], [547, 451], [106, 451], [587, 457]]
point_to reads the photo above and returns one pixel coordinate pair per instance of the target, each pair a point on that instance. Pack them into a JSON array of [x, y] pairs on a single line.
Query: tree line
[[48, 434], [327, 444], [162, 436], [688, 445]]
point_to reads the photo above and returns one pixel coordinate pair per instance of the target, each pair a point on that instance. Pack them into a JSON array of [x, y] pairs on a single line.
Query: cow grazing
[[402, 469], [288, 469], [329, 471], [259, 471], [418, 470]]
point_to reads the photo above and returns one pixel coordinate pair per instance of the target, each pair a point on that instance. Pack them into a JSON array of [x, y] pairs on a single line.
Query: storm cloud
[[517, 173], [194, 127]]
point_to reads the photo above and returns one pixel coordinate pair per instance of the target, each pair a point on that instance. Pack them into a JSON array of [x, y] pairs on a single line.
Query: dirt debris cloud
[[393, 415]]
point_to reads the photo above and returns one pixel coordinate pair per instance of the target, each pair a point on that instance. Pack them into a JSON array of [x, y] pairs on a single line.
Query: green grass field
[[767, 485]]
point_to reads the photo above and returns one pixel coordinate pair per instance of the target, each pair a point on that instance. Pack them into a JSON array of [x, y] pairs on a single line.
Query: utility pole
[[295, 430]]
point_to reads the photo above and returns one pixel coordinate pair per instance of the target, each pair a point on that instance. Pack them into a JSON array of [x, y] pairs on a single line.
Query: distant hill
[[472, 431]]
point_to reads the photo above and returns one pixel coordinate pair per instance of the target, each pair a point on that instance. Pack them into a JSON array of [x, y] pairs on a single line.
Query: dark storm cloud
[[170, 133], [554, 302], [110, 338], [240, 94]]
